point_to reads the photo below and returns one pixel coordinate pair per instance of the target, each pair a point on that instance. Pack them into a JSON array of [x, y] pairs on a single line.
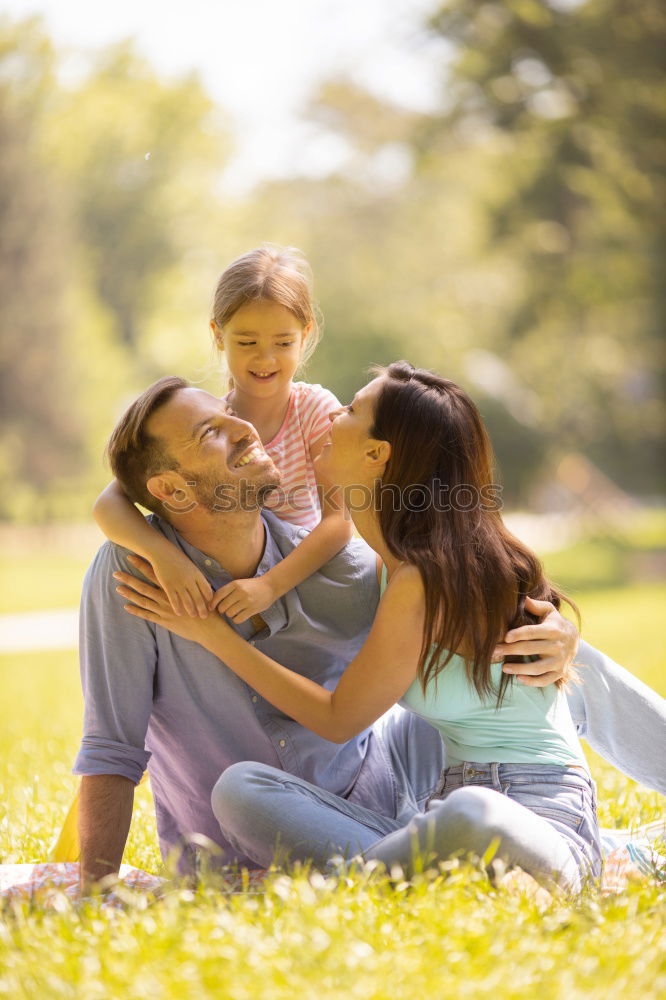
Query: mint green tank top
[[532, 725]]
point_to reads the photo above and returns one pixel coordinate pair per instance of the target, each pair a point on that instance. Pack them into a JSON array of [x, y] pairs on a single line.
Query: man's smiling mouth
[[255, 454]]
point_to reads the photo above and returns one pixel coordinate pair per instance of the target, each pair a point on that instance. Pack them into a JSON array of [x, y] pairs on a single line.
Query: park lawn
[[448, 936], [41, 581]]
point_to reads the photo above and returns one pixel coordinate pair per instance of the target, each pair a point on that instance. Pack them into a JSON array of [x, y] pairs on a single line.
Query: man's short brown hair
[[135, 455]]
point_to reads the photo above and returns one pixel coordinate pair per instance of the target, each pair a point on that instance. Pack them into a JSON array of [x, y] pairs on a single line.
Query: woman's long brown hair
[[475, 573]]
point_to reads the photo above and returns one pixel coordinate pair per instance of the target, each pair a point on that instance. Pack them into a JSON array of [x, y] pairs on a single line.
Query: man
[[152, 695]]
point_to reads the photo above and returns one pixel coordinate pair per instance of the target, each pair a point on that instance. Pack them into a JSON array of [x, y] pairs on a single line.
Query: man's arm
[[117, 671], [621, 718], [105, 812]]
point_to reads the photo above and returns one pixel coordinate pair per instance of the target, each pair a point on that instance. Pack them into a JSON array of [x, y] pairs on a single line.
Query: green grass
[[446, 936], [33, 581], [613, 559]]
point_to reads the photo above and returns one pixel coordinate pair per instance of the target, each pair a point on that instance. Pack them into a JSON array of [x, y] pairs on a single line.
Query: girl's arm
[[241, 599], [375, 679], [184, 584]]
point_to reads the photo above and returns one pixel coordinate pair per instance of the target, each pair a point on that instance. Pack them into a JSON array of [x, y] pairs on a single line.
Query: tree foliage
[[511, 239], [106, 188], [40, 438], [576, 94]]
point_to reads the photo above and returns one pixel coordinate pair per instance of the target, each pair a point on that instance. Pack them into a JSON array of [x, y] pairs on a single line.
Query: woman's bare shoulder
[[406, 585]]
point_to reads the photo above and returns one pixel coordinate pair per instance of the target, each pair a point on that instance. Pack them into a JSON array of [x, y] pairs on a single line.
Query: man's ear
[[377, 453], [175, 493]]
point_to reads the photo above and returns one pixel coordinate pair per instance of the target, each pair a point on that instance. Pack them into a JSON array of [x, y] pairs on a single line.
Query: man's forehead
[[183, 412]]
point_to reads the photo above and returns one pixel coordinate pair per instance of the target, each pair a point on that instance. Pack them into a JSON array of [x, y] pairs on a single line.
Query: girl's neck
[[266, 415]]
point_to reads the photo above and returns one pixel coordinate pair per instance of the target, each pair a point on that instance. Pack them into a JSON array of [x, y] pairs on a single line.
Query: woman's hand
[[241, 599], [150, 602], [554, 640]]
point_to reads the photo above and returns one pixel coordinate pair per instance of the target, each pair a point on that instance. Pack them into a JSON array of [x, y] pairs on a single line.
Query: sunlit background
[[478, 186]]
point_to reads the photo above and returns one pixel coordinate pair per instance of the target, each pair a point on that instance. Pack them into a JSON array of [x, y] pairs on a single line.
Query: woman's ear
[[174, 493], [378, 452]]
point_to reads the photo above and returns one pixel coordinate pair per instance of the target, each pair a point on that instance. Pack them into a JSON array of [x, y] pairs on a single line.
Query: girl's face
[[351, 456], [263, 343]]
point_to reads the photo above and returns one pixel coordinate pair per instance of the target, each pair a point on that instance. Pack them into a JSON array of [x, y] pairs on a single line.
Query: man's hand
[[554, 640], [241, 599], [105, 813]]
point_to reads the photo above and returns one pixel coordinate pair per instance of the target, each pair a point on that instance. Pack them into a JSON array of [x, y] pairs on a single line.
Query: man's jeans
[[263, 810], [541, 818]]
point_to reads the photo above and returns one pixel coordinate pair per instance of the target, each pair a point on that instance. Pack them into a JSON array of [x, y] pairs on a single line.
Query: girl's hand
[[149, 601], [241, 599], [185, 586]]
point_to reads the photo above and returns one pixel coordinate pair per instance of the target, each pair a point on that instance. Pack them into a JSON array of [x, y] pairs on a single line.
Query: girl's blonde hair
[[273, 274]]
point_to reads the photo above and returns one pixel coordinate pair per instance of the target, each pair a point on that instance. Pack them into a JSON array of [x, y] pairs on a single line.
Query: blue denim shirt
[[153, 696]]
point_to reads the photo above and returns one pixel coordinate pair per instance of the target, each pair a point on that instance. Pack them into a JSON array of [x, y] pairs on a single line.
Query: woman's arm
[[241, 599], [375, 679], [186, 587]]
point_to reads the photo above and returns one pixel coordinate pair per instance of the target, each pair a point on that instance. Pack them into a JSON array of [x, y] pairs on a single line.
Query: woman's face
[[344, 458]]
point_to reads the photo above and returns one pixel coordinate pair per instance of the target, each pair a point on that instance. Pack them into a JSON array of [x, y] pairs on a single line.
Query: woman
[[414, 459]]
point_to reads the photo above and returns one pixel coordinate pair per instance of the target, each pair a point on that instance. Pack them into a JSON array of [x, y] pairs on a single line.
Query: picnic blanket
[[51, 884], [629, 855]]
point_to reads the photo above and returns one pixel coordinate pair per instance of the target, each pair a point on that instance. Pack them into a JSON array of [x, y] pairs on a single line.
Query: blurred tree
[[110, 240], [143, 157], [400, 256], [570, 101], [40, 437]]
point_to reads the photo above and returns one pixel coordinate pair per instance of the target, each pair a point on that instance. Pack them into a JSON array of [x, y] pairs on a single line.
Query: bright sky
[[260, 58]]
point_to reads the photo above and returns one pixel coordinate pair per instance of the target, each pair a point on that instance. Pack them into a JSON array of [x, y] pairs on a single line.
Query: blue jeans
[[622, 719], [541, 816]]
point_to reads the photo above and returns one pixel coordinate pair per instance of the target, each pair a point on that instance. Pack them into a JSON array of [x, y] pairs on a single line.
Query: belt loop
[[495, 773]]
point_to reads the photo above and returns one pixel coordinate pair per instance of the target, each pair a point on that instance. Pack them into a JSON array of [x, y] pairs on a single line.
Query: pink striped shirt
[[305, 422]]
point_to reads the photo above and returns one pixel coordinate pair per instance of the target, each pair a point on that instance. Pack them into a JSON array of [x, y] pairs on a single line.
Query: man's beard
[[219, 497]]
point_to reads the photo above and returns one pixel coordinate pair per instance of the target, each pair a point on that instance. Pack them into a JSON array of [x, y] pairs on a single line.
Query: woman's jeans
[[538, 817]]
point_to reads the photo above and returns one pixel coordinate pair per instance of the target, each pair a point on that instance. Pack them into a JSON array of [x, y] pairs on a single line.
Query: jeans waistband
[[497, 775]]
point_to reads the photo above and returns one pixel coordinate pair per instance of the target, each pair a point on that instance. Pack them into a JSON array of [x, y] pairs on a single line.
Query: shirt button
[[283, 743], [208, 562], [252, 642], [254, 698]]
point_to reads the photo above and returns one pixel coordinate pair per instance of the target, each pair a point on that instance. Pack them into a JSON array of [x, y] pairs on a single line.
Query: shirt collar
[[275, 617]]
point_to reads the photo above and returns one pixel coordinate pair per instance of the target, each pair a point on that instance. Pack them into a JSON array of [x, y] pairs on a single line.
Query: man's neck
[[236, 541]]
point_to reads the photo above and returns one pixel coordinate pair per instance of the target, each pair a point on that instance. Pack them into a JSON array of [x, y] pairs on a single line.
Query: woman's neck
[[367, 525], [266, 415]]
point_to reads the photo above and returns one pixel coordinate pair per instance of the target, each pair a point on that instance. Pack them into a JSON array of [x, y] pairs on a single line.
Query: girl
[[264, 323], [454, 580]]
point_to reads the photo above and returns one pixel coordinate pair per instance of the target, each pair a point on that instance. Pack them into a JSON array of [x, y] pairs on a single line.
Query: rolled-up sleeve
[[118, 657]]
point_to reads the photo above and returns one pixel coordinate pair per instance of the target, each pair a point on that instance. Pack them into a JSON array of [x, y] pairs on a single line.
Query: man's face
[[220, 457]]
